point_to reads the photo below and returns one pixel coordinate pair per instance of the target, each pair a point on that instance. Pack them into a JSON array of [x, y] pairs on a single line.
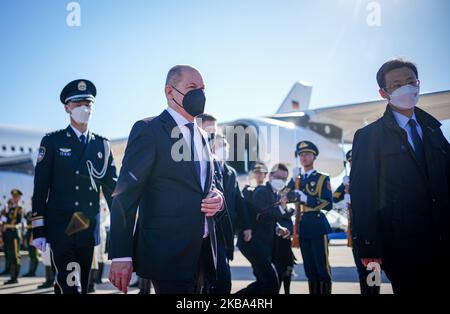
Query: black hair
[[392, 65]]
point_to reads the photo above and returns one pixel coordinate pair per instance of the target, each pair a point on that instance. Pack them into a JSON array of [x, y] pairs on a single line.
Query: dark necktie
[[83, 139], [417, 141], [304, 180], [190, 126]]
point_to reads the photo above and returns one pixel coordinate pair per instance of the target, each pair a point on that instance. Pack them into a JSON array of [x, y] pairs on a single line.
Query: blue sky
[[249, 51]]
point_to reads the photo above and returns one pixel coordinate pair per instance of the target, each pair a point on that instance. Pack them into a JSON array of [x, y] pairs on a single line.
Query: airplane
[[271, 138]]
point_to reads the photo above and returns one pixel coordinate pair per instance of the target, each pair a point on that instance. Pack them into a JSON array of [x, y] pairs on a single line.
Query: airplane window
[[13, 148], [30, 150], [4, 148], [22, 149]]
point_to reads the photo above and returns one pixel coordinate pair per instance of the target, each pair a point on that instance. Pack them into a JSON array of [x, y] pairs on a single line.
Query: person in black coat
[[342, 193], [399, 183], [270, 207], [234, 219], [282, 256], [167, 172]]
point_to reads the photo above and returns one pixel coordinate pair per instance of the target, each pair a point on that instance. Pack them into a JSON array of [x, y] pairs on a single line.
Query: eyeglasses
[[395, 86]]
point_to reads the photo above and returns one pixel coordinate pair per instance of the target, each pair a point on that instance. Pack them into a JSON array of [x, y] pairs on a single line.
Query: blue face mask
[[193, 101]]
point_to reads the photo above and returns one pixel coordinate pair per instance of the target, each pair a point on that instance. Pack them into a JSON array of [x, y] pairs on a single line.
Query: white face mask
[[405, 97], [81, 114], [222, 154], [277, 184]]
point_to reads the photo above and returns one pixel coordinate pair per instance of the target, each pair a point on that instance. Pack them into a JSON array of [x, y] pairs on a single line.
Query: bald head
[[175, 74], [180, 80]]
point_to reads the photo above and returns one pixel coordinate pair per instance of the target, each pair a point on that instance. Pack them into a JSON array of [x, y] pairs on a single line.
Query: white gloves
[[303, 197], [347, 198], [40, 243], [4, 219], [346, 180]]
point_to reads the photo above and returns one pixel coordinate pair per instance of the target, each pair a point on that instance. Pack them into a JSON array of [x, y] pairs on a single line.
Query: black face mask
[[193, 101]]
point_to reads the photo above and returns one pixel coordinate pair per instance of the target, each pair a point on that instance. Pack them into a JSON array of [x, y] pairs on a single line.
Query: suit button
[[77, 188], [77, 172], [76, 203], [90, 203], [90, 188]]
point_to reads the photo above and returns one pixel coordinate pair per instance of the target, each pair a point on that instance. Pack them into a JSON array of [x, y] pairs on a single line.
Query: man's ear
[[383, 93], [169, 92], [66, 107]]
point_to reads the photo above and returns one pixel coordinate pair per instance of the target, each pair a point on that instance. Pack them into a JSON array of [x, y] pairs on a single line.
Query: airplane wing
[[20, 164], [355, 116]]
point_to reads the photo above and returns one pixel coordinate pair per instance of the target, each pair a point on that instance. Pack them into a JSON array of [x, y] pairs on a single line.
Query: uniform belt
[[10, 226], [305, 209]]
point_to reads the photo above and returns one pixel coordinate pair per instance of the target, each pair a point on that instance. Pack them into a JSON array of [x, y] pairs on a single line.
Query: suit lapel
[[169, 126], [392, 123], [206, 151]]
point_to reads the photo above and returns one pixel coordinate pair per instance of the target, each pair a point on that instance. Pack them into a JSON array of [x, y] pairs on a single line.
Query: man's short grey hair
[[176, 74]]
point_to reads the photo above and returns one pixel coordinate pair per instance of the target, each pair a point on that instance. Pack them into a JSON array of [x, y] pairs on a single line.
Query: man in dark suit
[[174, 243], [270, 207], [74, 165], [342, 193], [234, 220], [399, 183]]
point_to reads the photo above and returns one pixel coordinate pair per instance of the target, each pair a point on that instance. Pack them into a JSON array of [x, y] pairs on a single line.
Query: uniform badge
[[41, 154], [68, 134], [65, 152], [303, 145], [99, 155], [313, 183], [82, 86]]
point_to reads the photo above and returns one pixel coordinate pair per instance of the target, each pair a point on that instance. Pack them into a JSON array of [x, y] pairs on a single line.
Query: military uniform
[[32, 250], [312, 225], [69, 177], [3, 244], [12, 238]]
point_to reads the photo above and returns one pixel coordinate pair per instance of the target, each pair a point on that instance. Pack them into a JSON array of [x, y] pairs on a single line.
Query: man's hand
[[40, 243], [302, 196], [212, 203], [283, 201], [367, 261], [247, 235], [283, 232], [120, 275]]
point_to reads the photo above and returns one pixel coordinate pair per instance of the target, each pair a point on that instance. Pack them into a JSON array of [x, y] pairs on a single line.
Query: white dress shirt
[[200, 152], [78, 133], [402, 122]]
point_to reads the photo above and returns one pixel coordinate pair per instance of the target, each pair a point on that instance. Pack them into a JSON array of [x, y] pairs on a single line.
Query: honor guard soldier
[[343, 193], [74, 165], [11, 235], [313, 192], [33, 253]]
